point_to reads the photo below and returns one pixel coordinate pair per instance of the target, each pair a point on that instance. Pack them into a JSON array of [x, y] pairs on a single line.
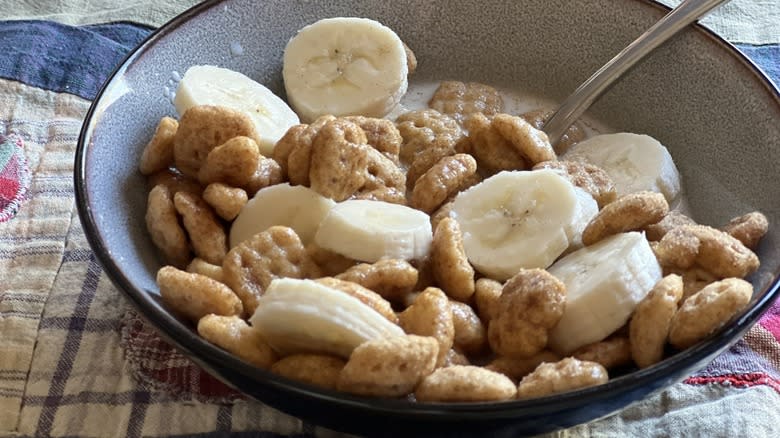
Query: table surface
[[76, 361]]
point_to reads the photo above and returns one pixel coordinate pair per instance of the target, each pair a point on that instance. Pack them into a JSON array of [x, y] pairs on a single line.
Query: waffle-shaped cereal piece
[[226, 201], [389, 367], [233, 334], [274, 253], [391, 278], [162, 222], [207, 234], [649, 326], [565, 375], [315, 369], [708, 310], [468, 383], [339, 159], [629, 212], [459, 99], [451, 267], [204, 127], [430, 315], [531, 303], [158, 153], [426, 129], [195, 296], [233, 163], [442, 181]]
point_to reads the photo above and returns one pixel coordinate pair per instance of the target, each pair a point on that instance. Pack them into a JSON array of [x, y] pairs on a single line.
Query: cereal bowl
[[715, 111]]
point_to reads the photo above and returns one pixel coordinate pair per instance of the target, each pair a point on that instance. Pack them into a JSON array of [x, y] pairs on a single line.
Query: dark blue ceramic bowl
[[698, 95]]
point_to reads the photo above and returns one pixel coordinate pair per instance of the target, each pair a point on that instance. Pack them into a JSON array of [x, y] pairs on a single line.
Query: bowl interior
[[719, 118]]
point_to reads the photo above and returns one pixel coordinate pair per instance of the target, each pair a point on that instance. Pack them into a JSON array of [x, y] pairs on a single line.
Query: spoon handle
[[590, 90]]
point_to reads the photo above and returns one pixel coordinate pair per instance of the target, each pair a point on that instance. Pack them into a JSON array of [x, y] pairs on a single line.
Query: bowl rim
[[213, 357]]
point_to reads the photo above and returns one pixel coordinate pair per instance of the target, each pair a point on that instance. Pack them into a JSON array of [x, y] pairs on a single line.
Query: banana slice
[[210, 85], [345, 66], [520, 219], [298, 316], [634, 162], [370, 230], [297, 207], [604, 284]]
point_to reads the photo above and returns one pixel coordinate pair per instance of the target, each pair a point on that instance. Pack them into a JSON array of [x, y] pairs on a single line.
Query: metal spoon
[[586, 94]]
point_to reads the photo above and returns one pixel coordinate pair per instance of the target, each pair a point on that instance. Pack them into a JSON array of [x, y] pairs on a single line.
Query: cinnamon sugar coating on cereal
[[233, 162], [381, 134], [234, 335], [226, 201], [274, 253], [339, 160], [673, 219], [195, 296], [487, 293], [649, 326], [162, 223], [389, 367], [532, 143], [629, 212], [441, 181], [315, 369], [391, 278], [531, 303], [492, 151], [158, 153], [206, 232], [268, 173], [708, 310], [588, 177], [423, 162], [467, 383], [426, 129], [431, 315], [204, 127], [470, 334], [748, 228], [459, 99], [364, 295], [717, 252], [293, 150], [451, 267], [573, 135], [565, 375], [383, 178]]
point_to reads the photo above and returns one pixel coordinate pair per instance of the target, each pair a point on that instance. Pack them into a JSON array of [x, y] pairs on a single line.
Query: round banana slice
[[371, 230], [210, 85], [297, 207], [635, 163], [518, 219], [345, 66], [604, 284]]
